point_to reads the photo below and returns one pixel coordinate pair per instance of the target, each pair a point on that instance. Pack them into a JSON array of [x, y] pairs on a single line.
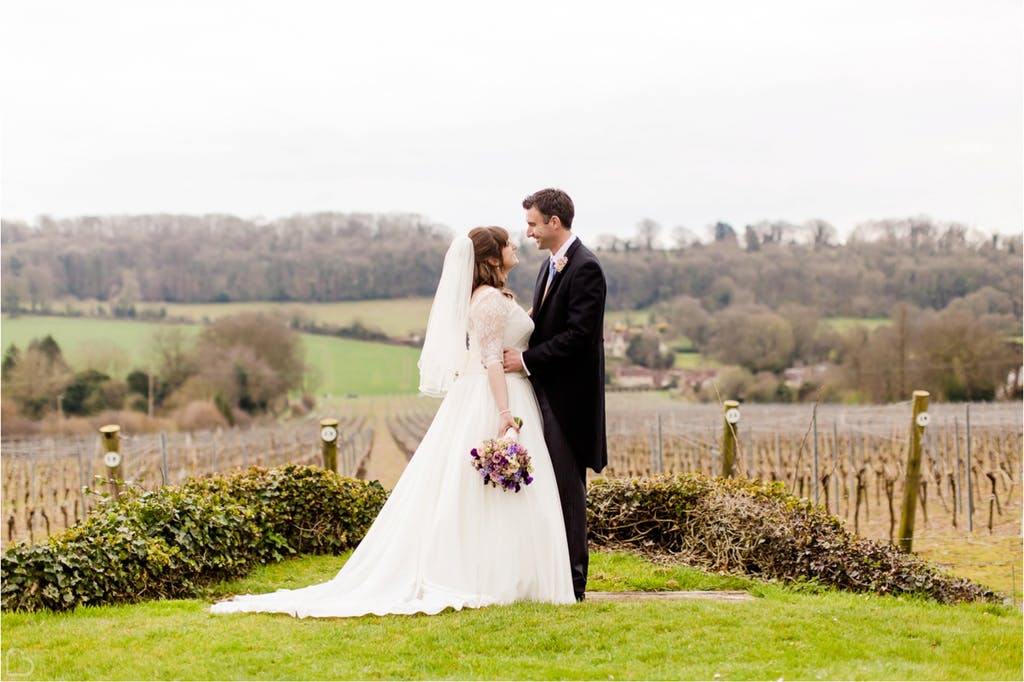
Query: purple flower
[[502, 463]]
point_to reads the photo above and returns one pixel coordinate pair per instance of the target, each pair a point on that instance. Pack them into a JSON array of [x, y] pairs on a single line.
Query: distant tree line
[[970, 350], [124, 260], [755, 300]]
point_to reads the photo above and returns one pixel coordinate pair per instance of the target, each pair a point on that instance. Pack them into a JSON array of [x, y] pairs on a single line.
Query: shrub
[[757, 529], [14, 424], [297, 410], [129, 421], [173, 541], [240, 418], [200, 415]]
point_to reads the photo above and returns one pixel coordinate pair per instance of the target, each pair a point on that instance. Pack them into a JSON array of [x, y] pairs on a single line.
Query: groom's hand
[[512, 360]]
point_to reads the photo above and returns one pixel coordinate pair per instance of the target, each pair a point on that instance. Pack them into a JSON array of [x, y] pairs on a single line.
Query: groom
[[565, 362]]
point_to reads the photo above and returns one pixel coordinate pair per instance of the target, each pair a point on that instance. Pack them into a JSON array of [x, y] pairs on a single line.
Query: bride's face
[[509, 259]]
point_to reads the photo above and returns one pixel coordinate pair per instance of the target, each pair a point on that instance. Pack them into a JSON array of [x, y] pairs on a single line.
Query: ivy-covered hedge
[[757, 529], [171, 542]]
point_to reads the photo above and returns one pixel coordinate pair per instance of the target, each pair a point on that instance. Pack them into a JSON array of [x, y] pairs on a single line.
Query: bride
[[444, 540]]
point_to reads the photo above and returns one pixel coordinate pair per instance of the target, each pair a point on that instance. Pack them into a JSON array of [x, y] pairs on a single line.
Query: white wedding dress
[[444, 539]]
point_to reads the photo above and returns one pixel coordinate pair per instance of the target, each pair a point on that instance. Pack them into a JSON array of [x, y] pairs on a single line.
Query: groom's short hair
[[551, 202]]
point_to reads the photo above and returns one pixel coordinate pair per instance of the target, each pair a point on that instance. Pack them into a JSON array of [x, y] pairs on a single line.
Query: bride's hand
[[507, 422]]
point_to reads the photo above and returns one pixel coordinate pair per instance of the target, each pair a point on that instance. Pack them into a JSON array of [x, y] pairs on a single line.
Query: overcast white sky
[[684, 112]]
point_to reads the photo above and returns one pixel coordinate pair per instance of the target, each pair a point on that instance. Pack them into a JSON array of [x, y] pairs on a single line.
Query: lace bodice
[[495, 322]]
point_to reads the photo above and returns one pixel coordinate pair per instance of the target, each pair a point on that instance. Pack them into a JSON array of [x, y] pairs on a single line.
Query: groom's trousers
[[571, 478]]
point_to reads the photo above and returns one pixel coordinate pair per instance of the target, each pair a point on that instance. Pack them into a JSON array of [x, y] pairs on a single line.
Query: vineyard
[[49, 484], [970, 465], [850, 460]]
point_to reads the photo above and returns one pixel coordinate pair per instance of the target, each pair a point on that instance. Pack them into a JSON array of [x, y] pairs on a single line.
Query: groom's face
[[545, 234]]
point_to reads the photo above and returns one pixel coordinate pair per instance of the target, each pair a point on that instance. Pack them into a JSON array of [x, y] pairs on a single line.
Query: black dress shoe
[[580, 596]]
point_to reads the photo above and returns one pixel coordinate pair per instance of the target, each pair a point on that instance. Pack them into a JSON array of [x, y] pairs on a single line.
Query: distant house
[[795, 377], [616, 343], [636, 378], [642, 378], [692, 380]]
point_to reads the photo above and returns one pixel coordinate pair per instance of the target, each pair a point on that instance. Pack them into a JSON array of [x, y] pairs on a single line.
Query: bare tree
[[38, 286], [683, 237], [252, 359], [753, 337], [608, 242], [37, 377], [647, 233], [722, 232], [172, 355], [822, 234]]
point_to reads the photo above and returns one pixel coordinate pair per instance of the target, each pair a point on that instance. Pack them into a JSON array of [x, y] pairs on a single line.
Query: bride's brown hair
[[488, 243]]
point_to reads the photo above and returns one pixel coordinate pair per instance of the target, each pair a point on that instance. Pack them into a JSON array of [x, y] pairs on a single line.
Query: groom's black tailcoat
[[566, 354], [566, 364]]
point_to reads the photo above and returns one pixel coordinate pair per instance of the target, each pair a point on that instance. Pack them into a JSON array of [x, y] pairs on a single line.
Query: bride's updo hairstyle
[[488, 243]]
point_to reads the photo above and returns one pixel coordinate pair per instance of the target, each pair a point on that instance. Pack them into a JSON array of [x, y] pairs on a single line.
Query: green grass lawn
[[338, 366], [784, 633]]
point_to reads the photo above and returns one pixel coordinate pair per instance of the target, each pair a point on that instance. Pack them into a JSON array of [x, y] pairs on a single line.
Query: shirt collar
[[565, 247]]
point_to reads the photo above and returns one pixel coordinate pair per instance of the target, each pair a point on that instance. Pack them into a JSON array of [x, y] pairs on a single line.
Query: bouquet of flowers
[[503, 462]]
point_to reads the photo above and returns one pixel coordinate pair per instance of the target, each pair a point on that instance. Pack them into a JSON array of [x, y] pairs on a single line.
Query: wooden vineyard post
[[912, 481], [729, 426], [967, 465], [81, 475], [329, 443], [111, 434], [661, 459], [814, 449], [164, 472]]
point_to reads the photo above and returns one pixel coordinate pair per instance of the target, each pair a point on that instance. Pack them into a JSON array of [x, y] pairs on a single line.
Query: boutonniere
[[560, 264]]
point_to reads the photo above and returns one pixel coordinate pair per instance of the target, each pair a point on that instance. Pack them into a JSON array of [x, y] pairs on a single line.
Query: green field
[[343, 366], [630, 318], [842, 324], [784, 633], [398, 318], [336, 366], [694, 361], [82, 339]]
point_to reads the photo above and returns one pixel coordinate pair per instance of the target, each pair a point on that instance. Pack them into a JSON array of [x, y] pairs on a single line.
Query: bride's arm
[[489, 313], [499, 389]]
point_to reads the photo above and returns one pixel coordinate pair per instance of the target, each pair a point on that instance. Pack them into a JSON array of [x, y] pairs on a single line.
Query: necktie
[[551, 277]]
